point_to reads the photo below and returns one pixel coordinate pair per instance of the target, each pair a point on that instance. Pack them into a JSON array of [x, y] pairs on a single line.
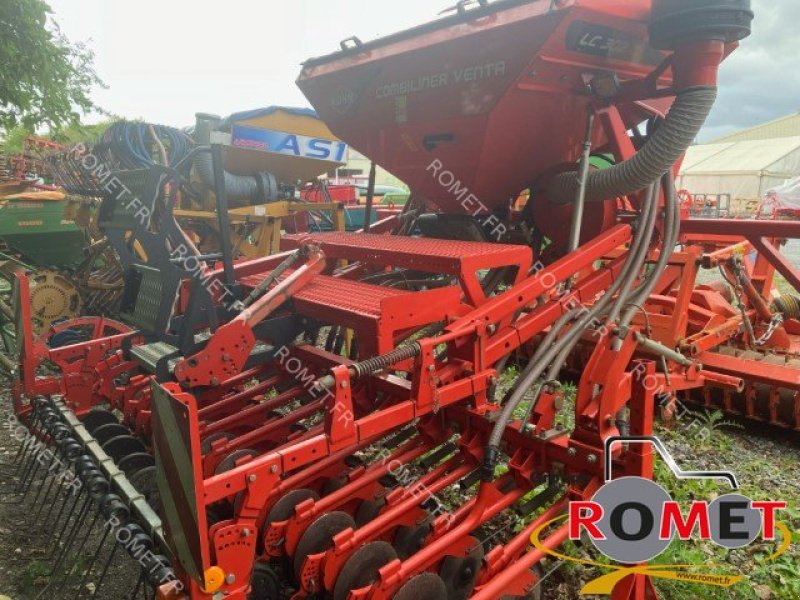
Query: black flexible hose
[[262, 187], [256, 189], [536, 368], [664, 148], [671, 234]]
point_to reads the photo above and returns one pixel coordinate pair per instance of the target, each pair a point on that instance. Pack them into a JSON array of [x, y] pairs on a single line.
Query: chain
[[774, 325]]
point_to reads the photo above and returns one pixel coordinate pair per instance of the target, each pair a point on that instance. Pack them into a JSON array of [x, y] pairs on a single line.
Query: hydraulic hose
[[639, 250], [541, 361], [671, 233], [664, 148]]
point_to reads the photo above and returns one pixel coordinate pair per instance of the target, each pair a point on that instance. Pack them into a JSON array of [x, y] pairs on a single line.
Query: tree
[[13, 141], [45, 80]]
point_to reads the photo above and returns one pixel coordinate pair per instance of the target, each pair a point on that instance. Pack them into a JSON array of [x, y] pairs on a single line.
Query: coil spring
[[789, 306], [373, 365]]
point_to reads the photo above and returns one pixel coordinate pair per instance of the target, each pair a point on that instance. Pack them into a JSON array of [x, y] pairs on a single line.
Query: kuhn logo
[[633, 520], [343, 100]]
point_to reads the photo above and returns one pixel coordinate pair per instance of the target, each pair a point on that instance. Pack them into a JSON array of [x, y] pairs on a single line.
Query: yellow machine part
[[53, 298], [287, 169]]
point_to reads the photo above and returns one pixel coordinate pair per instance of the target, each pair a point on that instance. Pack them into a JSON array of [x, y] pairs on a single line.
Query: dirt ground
[[25, 545]]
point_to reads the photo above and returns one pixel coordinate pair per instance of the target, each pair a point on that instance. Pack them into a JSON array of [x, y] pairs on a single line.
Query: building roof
[[779, 156], [264, 112], [788, 126]]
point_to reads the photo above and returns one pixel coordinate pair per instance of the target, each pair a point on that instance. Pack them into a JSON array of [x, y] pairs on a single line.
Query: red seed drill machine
[[339, 420]]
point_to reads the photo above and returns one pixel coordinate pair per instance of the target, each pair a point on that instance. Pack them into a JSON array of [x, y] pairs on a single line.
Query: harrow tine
[[39, 405], [77, 553], [52, 428], [72, 533], [20, 451], [140, 582], [53, 479], [93, 560], [96, 488], [104, 572], [48, 474], [29, 461], [112, 508], [68, 493], [72, 451], [69, 516]]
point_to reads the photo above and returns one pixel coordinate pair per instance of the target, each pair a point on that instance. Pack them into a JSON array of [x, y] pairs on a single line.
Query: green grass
[[768, 476], [767, 470]]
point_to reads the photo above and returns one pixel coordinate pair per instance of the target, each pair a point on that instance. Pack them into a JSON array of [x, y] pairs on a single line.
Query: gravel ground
[[26, 544]]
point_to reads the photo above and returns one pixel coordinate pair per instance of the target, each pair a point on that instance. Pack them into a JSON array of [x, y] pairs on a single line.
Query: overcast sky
[[164, 60]]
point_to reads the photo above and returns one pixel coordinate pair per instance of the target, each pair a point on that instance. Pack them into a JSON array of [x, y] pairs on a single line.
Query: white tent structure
[[746, 170], [784, 197]]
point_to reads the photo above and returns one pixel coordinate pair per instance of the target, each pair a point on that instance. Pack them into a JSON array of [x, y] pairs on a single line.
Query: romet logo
[[633, 520]]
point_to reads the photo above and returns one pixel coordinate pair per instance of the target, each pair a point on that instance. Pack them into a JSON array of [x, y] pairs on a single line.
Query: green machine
[[40, 227]]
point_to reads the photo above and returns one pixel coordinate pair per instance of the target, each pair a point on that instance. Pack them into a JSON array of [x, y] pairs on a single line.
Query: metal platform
[[378, 314], [459, 259]]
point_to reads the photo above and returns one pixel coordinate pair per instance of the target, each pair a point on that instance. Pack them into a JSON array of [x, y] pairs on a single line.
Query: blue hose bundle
[[137, 145]]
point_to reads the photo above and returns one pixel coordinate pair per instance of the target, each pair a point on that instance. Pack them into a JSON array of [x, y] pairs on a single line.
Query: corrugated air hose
[[664, 148]]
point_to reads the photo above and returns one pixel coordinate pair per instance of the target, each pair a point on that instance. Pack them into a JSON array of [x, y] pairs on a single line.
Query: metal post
[[580, 198], [370, 198], [222, 214]]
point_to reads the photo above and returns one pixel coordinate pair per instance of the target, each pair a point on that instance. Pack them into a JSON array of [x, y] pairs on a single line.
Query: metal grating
[[413, 246], [148, 300], [353, 297]]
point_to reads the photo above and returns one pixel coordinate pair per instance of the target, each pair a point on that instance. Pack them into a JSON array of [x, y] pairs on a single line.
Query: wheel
[[145, 482], [263, 583], [460, 574], [97, 418], [52, 298], [229, 462], [318, 538], [82, 329], [207, 443], [122, 446], [283, 509], [361, 569], [107, 432], [133, 463], [334, 485], [409, 540], [368, 510], [427, 586]]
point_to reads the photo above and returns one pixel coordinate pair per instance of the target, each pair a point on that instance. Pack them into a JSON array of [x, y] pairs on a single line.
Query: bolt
[[252, 477], [273, 469], [572, 452], [343, 385], [230, 579], [245, 533], [592, 459]]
